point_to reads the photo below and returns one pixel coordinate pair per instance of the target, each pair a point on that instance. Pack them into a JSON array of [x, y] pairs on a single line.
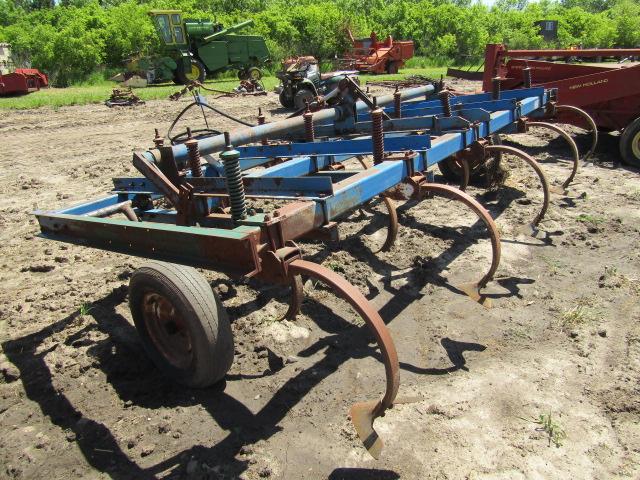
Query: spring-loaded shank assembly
[[191, 207]]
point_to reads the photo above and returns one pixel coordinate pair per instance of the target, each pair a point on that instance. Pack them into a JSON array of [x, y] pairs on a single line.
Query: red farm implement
[[22, 81], [369, 55], [609, 92]]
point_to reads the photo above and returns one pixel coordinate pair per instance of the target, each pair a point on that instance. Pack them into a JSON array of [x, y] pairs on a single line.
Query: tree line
[[72, 39]]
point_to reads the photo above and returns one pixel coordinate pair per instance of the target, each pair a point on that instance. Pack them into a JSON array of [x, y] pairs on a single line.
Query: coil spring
[[445, 98], [496, 84], [261, 121], [527, 77], [194, 155], [397, 104], [309, 130], [377, 135], [235, 187]]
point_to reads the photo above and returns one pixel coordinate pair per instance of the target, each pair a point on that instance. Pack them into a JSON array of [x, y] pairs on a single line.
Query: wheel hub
[[167, 330], [194, 73]]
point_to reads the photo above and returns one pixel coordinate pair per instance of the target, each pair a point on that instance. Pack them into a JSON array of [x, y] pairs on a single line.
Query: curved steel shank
[[392, 229], [295, 302], [570, 141], [590, 122], [473, 288], [362, 413], [543, 179]]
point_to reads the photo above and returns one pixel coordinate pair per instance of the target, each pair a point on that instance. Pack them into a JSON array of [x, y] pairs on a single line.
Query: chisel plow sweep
[[190, 209]]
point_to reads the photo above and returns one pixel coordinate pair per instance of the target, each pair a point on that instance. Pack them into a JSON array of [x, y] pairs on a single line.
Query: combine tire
[[197, 72], [630, 144], [301, 97], [183, 327]]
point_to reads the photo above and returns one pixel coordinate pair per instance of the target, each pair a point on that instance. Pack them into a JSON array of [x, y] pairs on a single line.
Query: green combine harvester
[[192, 49]]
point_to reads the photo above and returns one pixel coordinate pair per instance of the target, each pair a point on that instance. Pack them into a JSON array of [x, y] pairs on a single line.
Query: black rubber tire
[[392, 67], [182, 77], [300, 97], [243, 74], [212, 347], [286, 100], [254, 73], [630, 135]]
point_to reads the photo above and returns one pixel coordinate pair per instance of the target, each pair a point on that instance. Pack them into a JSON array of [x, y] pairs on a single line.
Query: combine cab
[[369, 55]]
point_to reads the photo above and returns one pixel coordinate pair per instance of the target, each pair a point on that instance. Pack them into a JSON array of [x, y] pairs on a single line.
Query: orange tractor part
[[369, 55]]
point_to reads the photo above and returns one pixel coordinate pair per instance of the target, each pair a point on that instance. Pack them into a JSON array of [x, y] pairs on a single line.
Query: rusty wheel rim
[[167, 330]]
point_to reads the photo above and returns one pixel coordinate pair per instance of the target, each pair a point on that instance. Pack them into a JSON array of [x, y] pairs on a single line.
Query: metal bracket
[[522, 125], [275, 263]]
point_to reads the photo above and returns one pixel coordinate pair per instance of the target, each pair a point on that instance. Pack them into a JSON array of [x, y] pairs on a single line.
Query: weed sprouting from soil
[[582, 312], [84, 309], [555, 266], [612, 278], [590, 219], [633, 195], [553, 429], [336, 266]]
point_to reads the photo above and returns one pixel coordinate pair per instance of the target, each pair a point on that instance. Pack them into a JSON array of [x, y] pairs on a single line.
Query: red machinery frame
[[22, 81], [370, 55], [608, 92]]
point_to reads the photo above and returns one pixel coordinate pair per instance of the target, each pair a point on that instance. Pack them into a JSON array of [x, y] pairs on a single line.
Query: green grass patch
[[99, 92], [431, 72]]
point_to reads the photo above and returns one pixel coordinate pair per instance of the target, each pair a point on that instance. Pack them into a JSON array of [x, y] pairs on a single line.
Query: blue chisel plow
[[192, 208]]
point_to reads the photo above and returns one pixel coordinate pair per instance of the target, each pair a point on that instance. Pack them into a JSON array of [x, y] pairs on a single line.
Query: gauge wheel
[[301, 98], [630, 143], [254, 73], [197, 72], [181, 322], [243, 74]]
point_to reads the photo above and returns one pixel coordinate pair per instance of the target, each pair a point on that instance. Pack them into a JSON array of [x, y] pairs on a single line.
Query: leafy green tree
[[71, 39]]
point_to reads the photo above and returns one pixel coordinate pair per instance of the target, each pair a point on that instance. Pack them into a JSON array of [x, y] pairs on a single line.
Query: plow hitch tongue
[[201, 203]]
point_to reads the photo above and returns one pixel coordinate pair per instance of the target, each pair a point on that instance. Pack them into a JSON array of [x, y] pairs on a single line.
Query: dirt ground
[[555, 361]]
